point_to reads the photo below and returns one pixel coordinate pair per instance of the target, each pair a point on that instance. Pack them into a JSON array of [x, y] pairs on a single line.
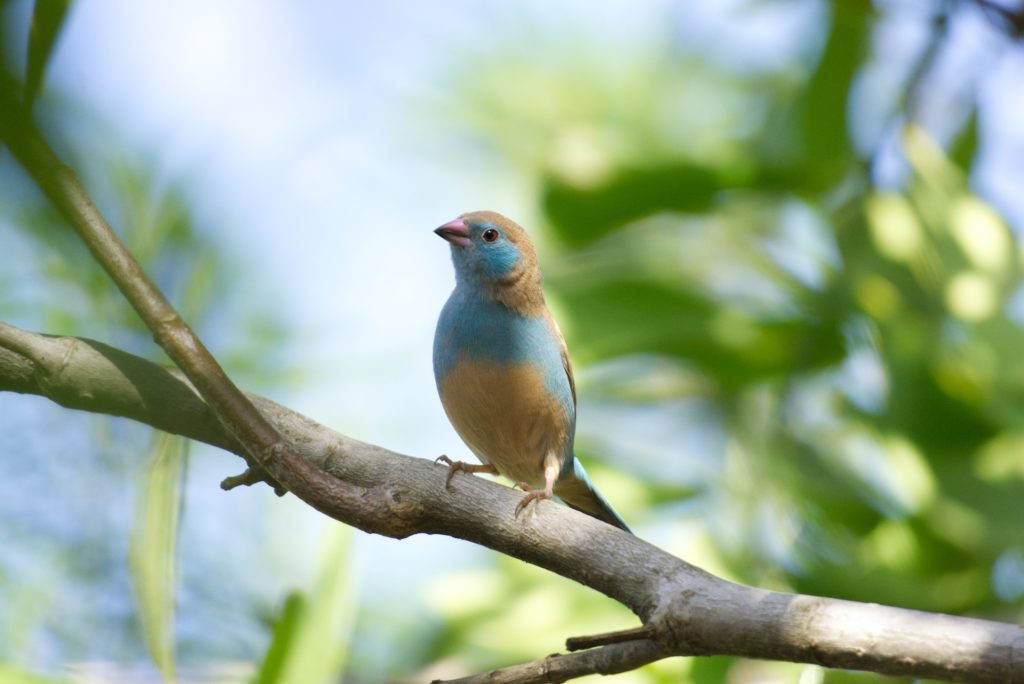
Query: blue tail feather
[[576, 490]]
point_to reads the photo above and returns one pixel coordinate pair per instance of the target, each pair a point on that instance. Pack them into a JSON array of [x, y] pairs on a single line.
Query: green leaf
[[823, 119], [310, 643], [965, 145], [806, 141], [581, 215], [47, 20], [711, 669], [285, 635], [153, 551]]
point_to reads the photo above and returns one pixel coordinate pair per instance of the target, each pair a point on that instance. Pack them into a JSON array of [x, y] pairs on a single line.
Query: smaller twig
[[611, 659], [1008, 19], [252, 475], [633, 634]]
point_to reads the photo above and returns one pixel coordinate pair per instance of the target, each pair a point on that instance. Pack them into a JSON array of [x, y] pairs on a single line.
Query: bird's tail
[[576, 489]]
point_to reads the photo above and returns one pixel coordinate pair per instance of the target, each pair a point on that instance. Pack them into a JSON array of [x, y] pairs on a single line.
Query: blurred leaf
[[580, 215], [665, 492], [583, 213], [636, 317], [47, 20], [710, 669], [310, 643], [11, 674], [153, 552], [285, 635], [965, 145], [832, 676], [482, 607], [823, 122]]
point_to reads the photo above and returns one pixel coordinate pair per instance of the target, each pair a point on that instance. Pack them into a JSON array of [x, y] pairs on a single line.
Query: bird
[[503, 371]]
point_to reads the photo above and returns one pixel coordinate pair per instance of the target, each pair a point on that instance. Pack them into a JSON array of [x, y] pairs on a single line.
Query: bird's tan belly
[[506, 416]]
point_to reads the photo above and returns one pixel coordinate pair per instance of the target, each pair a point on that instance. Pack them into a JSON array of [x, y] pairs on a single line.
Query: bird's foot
[[456, 466], [531, 495]]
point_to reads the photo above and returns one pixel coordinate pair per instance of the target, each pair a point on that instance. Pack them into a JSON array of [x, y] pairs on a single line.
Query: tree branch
[[556, 667], [688, 611], [633, 634], [263, 445]]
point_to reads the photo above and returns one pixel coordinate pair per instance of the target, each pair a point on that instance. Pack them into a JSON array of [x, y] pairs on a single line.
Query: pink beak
[[455, 232]]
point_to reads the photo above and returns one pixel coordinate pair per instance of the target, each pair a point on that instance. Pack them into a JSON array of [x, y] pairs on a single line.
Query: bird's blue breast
[[477, 328]]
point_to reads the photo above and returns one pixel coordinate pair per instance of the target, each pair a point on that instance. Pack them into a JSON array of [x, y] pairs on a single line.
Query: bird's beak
[[455, 232]]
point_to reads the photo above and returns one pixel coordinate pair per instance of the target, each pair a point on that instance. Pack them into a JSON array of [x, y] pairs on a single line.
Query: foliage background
[[782, 238]]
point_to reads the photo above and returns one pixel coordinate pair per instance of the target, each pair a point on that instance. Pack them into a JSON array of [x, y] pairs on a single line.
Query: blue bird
[[503, 371]]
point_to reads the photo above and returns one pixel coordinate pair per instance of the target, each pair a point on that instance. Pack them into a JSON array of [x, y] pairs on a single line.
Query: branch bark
[[687, 610]]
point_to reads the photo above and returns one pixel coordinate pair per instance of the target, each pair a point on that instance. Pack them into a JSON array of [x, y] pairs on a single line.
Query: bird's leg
[[456, 466], [551, 468]]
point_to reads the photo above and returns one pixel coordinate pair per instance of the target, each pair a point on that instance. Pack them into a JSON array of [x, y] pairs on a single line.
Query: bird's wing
[[566, 363]]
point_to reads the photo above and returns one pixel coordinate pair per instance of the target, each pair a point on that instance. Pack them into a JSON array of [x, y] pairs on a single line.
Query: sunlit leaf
[[11, 674], [153, 552]]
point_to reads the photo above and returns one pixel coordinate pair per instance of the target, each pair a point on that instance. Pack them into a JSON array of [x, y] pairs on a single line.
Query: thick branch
[[689, 611]]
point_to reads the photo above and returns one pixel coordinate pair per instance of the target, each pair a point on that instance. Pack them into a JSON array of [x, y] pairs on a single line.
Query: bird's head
[[494, 253]]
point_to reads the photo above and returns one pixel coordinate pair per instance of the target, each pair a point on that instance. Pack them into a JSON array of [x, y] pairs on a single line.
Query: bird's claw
[[453, 467], [456, 466], [531, 495]]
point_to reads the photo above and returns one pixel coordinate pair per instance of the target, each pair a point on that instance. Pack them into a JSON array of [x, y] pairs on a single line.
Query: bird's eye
[[490, 235]]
